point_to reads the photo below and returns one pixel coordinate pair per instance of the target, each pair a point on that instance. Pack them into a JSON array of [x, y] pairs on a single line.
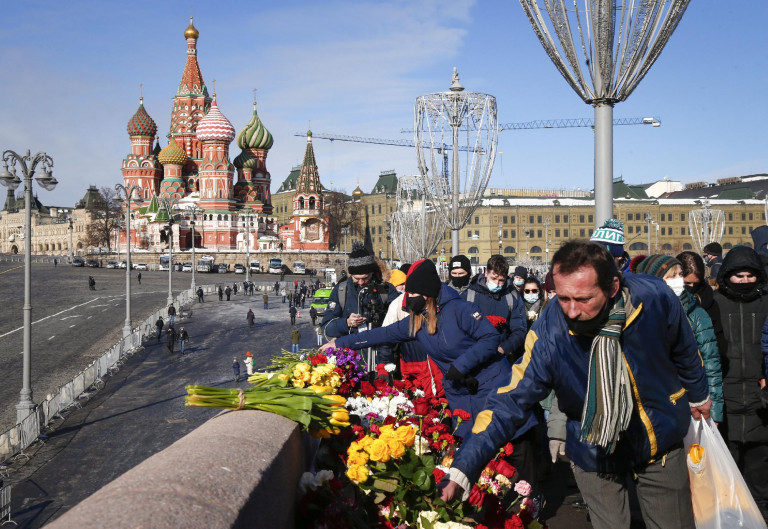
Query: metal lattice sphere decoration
[[603, 49], [416, 227], [706, 225], [466, 125]]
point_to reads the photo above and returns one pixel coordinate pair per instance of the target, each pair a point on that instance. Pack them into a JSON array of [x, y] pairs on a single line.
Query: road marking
[[75, 316], [52, 337], [51, 316], [89, 317], [11, 269], [75, 325]]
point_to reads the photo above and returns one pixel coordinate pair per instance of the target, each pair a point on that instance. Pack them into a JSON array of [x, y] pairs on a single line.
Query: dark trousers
[[526, 456], [752, 460], [293, 320], [662, 489]]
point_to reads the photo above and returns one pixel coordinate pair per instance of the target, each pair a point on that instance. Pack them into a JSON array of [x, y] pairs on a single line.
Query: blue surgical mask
[[492, 286], [531, 298], [518, 282]]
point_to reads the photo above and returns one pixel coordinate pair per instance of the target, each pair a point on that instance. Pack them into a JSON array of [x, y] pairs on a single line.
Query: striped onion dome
[[172, 154], [214, 126], [245, 160], [255, 135], [141, 124]]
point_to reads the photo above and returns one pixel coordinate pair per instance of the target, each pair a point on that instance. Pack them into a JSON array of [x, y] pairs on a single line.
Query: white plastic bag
[[721, 499]]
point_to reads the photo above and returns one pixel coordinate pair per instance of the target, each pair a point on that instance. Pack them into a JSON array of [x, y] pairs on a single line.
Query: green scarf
[[608, 403]]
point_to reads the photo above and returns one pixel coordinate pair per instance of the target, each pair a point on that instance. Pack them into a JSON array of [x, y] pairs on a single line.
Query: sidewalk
[[141, 409]]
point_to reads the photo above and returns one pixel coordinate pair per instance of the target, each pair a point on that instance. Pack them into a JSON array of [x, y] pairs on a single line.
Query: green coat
[[705, 337], [295, 336]]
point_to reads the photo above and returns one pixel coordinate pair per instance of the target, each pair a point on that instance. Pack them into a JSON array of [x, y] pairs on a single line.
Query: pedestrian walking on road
[[277, 287], [319, 332], [236, 369], [248, 363], [200, 295], [221, 293], [55, 262], [251, 287], [295, 336], [303, 299], [283, 293], [290, 298], [313, 315], [171, 332], [245, 287], [292, 311], [234, 288], [250, 317], [183, 337], [228, 292], [138, 277], [91, 283], [266, 300], [171, 314], [159, 324]]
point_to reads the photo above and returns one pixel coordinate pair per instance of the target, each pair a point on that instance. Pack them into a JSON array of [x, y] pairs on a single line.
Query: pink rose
[[523, 488]]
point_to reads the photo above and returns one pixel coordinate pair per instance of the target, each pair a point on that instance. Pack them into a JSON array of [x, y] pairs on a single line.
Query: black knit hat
[[460, 261], [361, 261], [423, 279], [713, 248], [405, 267], [520, 271]]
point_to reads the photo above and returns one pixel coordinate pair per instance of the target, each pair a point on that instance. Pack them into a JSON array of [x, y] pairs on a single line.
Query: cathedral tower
[[141, 167]]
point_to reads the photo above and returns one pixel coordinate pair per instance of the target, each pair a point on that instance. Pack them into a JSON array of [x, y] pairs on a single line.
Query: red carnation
[[421, 406], [389, 420], [359, 431], [439, 474], [514, 523], [505, 469], [374, 428], [526, 516], [319, 359], [508, 449], [380, 384], [476, 496], [461, 414], [367, 389]]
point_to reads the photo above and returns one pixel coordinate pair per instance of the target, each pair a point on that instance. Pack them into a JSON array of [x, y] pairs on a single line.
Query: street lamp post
[[500, 243], [169, 207], [71, 249], [128, 192], [248, 246], [195, 210], [46, 180]]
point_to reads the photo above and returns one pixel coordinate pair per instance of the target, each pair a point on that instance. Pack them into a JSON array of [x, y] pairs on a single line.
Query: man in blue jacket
[[625, 368], [496, 296], [365, 297]]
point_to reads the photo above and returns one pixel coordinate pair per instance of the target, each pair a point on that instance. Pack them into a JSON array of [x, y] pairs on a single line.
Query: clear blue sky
[[71, 73]]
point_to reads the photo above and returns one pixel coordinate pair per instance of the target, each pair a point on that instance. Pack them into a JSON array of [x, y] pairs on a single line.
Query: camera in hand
[[372, 307]]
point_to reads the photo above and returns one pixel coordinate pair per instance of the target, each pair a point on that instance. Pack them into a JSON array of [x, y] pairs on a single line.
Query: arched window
[[687, 246], [747, 244], [226, 217], [535, 249], [311, 202], [666, 247], [639, 246], [473, 259], [301, 202], [219, 217], [727, 246], [509, 249]]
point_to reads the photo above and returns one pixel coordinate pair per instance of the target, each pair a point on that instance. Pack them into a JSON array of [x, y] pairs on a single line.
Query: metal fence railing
[[16, 439], [5, 505]]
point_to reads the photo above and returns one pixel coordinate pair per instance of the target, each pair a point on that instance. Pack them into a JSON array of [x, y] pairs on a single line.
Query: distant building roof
[[387, 183], [736, 188], [622, 190]]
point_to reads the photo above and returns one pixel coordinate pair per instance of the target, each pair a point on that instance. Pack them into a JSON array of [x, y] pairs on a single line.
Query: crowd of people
[[605, 361]]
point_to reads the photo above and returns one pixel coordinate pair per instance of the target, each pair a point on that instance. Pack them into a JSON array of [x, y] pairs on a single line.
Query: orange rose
[[406, 435]]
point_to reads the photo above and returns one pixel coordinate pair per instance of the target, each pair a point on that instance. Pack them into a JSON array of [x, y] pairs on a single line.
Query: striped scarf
[[608, 403]]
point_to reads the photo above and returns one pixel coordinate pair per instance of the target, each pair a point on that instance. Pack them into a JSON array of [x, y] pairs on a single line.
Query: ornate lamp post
[[71, 229], [170, 205], [28, 165], [128, 192], [195, 210], [247, 215]]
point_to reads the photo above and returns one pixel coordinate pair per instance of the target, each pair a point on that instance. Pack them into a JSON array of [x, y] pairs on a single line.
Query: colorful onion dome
[[255, 135], [245, 160], [141, 124], [214, 126], [172, 154], [191, 32], [157, 149]]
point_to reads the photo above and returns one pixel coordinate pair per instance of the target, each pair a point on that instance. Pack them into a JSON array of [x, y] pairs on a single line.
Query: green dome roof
[[245, 160], [141, 124], [255, 135], [172, 154]]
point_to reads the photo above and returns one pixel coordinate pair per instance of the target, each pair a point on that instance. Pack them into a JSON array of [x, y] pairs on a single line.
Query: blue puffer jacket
[[705, 338], [663, 360], [496, 304], [464, 340], [334, 322]]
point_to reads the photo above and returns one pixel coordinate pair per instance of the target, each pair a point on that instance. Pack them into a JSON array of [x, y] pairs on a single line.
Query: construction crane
[[566, 123]]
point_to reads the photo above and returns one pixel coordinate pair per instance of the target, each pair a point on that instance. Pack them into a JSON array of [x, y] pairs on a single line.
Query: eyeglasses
[[526, 291]]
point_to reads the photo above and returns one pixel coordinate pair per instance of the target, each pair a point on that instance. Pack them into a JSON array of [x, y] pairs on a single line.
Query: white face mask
[[677, 285], [531, 298]]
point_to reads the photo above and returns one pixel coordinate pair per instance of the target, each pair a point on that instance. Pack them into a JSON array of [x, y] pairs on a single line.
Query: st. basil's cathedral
[[193, 176]]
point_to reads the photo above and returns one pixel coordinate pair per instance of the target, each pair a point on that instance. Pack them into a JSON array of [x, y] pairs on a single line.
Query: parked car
[[93, 263], [320, 301], [112, 264], [177, 267], [78, 261], [222, 268], [239, 269], [255, 267], [141, 266], [123, 265], [187, 267]]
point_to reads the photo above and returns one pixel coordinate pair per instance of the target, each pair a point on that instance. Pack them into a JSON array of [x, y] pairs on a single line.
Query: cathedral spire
[[192, 83]]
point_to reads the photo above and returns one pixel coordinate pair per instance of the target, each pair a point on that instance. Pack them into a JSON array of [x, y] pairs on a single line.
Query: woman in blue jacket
[[452, 332]]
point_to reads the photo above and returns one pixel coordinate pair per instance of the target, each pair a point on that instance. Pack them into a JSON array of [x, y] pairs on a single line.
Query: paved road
[[140, 411], [72, 325]]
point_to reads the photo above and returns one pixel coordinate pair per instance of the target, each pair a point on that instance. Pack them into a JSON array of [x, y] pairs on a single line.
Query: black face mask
[[743, 288], [415, 304], [460, 282], [592, 326]]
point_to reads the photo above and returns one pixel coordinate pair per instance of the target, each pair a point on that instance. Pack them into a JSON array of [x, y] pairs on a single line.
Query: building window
[[557, 233], [565, 232], [743, 216], [582, 232], [530, 219], [512, 219], [682, 231], [505, 234], [630, 216], [505, 219], [538, 219], [682, 217], [469, 233], [750, 216], [379, 209], [581, 218], [591, 219], [477, 220], [477, 233], [379, 232], [509, 250], [629, 229], [730, 230], [663, 217], [730, 216], [663, 231], [557, 219], [512, 234], [743, 230], [539, 234], [565, 218]]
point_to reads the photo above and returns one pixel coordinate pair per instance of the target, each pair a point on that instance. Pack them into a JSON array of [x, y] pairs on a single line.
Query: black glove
[[471, 384], [454, 375]]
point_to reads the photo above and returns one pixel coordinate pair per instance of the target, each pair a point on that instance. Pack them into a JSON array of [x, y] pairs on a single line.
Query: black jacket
[[743, 315]]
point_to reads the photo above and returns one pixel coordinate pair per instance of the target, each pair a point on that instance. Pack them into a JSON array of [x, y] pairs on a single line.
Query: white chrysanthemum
[[418, 393], [428, 517]]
